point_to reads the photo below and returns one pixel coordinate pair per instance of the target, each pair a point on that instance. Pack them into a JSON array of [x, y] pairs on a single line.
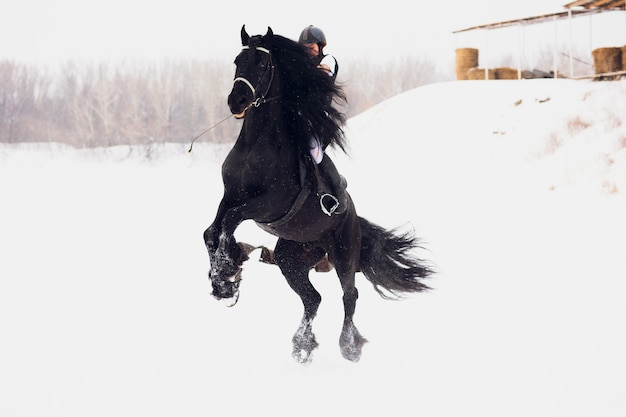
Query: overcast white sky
[[49, 31]]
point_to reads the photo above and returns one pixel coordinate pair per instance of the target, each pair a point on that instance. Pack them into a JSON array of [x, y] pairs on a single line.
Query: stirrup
[[333, 208]]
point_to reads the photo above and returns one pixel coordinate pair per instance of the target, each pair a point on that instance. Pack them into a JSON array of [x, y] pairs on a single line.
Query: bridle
[[258, 100]]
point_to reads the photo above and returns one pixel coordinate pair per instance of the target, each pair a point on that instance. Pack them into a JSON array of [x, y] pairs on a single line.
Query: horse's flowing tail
[[387, 263]]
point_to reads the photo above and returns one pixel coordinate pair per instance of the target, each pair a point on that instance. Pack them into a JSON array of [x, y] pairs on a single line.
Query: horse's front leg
[[211, 235], [295, 261], [225, 255]]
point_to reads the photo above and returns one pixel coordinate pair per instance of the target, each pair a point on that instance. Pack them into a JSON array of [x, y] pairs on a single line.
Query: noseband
[[257, 101]]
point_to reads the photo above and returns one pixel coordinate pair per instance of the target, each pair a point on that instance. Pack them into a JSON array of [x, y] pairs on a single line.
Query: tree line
[[133, 103]]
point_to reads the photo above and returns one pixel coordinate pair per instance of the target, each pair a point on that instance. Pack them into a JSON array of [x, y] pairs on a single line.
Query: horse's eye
[[261, 64]]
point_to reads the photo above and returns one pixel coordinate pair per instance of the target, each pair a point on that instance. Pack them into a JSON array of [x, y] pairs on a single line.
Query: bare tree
[[20, 91], [163, 101], [367, 84]]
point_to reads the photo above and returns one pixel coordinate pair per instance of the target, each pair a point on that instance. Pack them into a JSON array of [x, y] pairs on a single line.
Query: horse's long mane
[[308, 94]]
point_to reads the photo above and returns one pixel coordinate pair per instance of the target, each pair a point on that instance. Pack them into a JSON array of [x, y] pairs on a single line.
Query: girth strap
[[297, 205], [295, 208]]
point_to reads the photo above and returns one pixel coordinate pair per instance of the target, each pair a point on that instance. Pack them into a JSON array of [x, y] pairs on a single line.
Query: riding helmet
[[312, 34]]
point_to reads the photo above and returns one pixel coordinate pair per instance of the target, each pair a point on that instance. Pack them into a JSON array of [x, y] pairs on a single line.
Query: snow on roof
[[598, 4]]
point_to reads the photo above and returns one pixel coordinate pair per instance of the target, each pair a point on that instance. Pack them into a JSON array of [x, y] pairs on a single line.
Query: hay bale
[[623, 57], [505, 73], [466, 58], [479, 74], [607, 59]]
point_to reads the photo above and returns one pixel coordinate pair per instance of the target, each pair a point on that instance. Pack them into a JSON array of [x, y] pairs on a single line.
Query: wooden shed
[[575, 9]]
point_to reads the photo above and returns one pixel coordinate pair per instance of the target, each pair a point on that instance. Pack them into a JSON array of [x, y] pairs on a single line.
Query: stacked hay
[[466, 58], [479, 74], [467, 67], [506, 73], [607, 60], [623, 57]]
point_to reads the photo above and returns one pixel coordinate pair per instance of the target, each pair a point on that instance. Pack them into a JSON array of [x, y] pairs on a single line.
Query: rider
[[314, 40]]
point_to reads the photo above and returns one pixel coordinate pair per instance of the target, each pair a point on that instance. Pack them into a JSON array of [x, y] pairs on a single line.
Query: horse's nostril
[[241, 101], [237, 102]]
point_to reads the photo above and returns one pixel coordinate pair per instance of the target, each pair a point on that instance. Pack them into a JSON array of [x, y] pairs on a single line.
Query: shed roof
[[532, 19], [575, 9]]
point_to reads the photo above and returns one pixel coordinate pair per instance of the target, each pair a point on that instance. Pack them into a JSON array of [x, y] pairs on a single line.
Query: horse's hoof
[[230, 302], [351, 343], [302, 356], [304, 344], [226, 289], [351, 353]]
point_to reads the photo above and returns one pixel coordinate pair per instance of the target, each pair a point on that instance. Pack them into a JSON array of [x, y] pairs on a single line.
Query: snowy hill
[[517, 188], [565, 132]]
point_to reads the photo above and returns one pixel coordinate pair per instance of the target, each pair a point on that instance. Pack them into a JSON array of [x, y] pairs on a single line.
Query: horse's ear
[[267, 38], [244, 36]]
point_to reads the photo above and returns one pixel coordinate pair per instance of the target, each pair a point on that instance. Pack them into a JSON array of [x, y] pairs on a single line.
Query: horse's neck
[[266, 129], [264, 159], [265, 124], [265, 137]]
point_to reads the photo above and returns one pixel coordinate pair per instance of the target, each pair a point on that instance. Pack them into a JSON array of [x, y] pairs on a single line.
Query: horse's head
[[254, 72]]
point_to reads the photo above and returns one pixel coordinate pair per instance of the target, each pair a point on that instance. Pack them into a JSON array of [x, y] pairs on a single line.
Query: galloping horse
[[269, 177]]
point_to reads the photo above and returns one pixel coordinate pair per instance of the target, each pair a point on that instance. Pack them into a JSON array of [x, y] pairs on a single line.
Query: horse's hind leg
[[346, 261], [295, 261], [351, 342]]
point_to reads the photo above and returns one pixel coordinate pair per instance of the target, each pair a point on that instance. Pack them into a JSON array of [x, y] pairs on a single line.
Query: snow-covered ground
[[517, 188]]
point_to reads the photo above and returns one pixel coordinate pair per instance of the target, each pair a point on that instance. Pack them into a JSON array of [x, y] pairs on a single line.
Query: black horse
[[269, 177]]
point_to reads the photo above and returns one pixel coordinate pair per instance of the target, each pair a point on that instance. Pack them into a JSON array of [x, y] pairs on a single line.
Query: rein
[[206, 130]]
